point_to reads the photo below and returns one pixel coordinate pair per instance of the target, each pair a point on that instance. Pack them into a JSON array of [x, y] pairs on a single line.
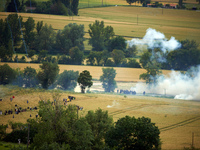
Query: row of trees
[[57, 7], [48, 77], [42, 39], [59, 128]]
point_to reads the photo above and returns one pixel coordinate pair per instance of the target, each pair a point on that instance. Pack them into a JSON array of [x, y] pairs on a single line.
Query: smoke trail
[[114, 103], [181, 86], [155, 39]]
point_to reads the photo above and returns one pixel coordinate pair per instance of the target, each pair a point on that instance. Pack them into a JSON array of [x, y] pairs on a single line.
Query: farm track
[[182, 123], [128, 109]]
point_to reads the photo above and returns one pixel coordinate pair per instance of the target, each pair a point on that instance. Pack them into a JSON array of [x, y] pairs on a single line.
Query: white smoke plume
[[114, 104], [155, 39], [181, 86]]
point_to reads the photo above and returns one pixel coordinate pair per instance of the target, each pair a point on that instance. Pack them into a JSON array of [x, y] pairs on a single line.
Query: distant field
[[176, 119], [130, 21]]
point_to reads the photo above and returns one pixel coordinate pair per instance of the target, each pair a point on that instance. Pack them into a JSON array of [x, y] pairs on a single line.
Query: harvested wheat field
[[176, 119], [123, 74]]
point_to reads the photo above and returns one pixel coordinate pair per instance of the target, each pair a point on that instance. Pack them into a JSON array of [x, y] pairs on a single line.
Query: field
[[130, 22], [176, 119]]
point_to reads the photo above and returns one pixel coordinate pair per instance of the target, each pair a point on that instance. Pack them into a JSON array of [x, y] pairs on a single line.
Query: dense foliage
[[108, 79], [85, 80], [131, 133]]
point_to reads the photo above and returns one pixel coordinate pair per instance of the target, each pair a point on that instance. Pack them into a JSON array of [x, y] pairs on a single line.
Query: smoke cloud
[[155, 39], [181, 86]]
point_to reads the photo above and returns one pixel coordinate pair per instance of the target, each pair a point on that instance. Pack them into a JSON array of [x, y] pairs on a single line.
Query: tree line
[[41, 39], [58, 127], [48, 77], [40, 42], [56, 7]]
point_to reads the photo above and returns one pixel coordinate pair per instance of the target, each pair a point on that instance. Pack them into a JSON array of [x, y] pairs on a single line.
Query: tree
[[46, 38], [108, 79], [29, 34], [118, 56], [85, 80], [153, 71], [13, 6], [47, 74], [100, 123], [105, 56], [30, 77], [71, 36], [145, 58], [39, 26], [94, 58], [14, 23], [180, 3], [130, 1], [131, 51], [68, 79], [7, 74], [131, 133], [99, 35], [117, 43], [76, 56], [91, 58], [59, 126], [59, 9], [72, 5]]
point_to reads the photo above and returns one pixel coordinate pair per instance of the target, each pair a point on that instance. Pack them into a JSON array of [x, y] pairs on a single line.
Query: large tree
[[29, 34], [118, 56], [131, 133], [85, 80], [153, 71], [7, 74], [15, 24], [100, 122], [108, 79], [68, 79], [46, 37], [117, 43], [47, 74], [76, 56], [99, 35], [58, 127], [6, 51], [30, 77], [72, 35]]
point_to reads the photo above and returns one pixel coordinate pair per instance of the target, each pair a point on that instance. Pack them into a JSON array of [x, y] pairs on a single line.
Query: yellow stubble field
[[176, 119]]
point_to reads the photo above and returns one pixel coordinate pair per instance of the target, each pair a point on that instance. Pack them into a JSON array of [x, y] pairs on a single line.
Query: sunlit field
[[129, 22], [176, 119]]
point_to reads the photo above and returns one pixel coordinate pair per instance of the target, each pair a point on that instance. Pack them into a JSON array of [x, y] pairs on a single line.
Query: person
[[27, 101], [144, 93]]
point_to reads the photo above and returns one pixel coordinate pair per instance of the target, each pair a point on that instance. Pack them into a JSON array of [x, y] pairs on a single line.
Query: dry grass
[[164, 112]]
